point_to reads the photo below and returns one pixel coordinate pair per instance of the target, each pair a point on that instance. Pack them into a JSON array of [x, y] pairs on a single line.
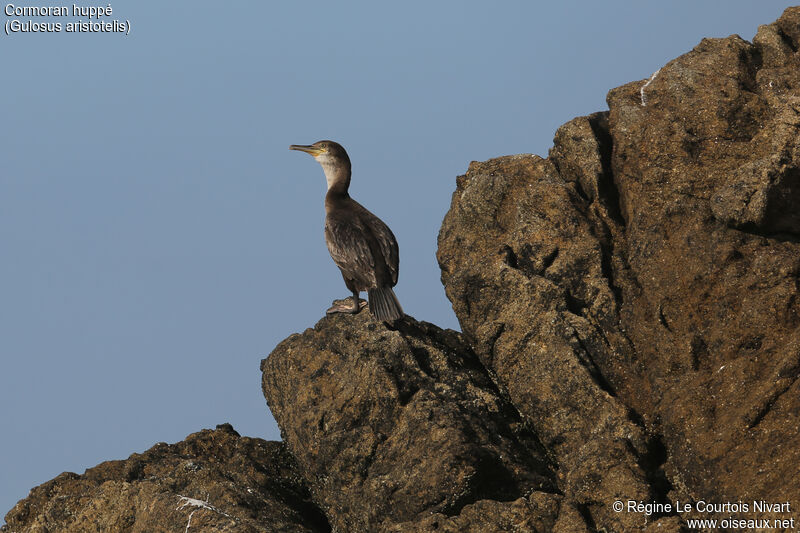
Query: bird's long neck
[[338, 178]]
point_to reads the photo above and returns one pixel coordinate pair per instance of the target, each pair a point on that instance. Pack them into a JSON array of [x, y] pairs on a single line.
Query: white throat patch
[[328, 167]]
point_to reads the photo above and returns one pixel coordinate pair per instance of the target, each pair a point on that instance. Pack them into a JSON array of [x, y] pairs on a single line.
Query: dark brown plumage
[[361, 245]]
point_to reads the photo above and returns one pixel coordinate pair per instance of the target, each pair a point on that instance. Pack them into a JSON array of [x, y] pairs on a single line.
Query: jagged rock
[[716, 312], [636, 293], [537, 512], [247, 485], [390, 424], [525, 272]]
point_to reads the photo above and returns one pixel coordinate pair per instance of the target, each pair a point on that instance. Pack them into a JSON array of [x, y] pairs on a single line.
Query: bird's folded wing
[[387, 243], [350, 250]]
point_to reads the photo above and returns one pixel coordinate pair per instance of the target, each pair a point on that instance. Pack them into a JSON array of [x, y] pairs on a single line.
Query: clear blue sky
[[158, 238]]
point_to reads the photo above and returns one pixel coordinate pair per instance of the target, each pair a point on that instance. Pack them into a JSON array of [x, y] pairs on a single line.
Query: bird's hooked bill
[[309, 149]]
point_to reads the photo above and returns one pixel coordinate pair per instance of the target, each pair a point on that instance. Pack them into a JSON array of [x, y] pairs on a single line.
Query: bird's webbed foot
[[357, 304]]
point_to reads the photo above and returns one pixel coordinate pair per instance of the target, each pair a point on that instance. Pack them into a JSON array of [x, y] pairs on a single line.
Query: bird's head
[[333, 158], [323, 151]]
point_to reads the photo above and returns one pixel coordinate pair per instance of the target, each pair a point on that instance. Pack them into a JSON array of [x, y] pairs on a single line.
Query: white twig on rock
[[197, 504], [648, 82]]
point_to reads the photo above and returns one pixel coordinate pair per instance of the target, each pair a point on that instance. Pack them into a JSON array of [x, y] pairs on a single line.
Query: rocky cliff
[[212, 481], [630, 331]]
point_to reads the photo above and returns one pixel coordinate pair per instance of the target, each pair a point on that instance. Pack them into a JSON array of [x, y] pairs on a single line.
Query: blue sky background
[[158, 238]]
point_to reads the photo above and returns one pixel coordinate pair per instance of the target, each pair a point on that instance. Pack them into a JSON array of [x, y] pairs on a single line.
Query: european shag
[[361, 245]]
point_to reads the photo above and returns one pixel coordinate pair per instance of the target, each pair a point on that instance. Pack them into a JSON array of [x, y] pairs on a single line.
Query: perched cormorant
[[361, 245]]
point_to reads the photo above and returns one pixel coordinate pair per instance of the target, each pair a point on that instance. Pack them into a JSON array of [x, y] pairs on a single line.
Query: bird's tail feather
[[383, 304]]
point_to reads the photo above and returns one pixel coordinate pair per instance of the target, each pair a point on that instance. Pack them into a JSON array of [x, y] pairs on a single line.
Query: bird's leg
[[357, 305]]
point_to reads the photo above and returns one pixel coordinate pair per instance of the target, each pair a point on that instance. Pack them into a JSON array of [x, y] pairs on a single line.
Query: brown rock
[[537, 512], [216, 479], [637, 293], [391, 425], [709, 174], [527, 275]]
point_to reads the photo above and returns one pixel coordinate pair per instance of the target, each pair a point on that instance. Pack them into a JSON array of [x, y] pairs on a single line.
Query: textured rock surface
[[252, 486], [708, 175], [527, 282], [636, 293], [631, 331], [390, 424]]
